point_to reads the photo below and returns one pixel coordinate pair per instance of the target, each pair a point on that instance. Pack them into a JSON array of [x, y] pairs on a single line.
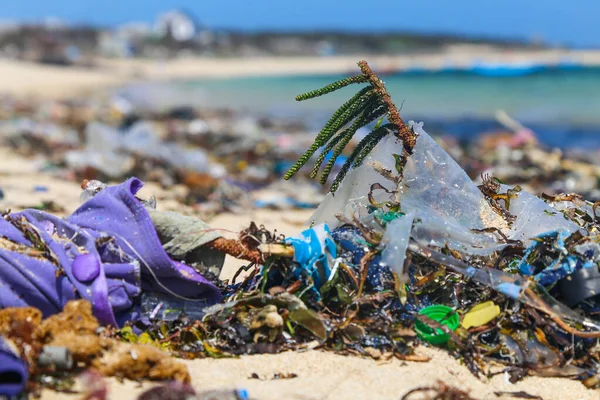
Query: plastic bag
[[447, 205]]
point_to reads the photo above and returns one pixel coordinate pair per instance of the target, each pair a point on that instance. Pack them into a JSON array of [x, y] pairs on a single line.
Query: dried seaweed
[[76, 329], [440, 391]]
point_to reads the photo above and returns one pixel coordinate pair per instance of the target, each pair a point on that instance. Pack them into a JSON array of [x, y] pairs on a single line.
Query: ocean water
[[563, 107]]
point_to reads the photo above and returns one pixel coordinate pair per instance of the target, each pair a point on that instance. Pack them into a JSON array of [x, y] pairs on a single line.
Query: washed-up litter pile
[[405, 250], [407, 241], [513, 286], [219, 156]]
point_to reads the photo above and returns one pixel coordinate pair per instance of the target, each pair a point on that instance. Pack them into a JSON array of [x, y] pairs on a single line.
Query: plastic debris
[[183, 238], [395, 240], [464, 240], [448, 206], [90, 188], [481, 314], [444, 315], [435, 190], [56, 357], [580, 285], [13, 371], [315, 252], [157, 306], [562, 264], [107, 252]]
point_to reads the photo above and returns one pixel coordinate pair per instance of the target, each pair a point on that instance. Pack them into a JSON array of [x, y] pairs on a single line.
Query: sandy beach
[[321, 375], [24, 78]]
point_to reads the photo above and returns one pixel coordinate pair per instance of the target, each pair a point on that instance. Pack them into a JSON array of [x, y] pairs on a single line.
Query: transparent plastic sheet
[[168, 308], [101, 152], [110, 150], [510, 285], [395, 240], [47, 130], [535, 217], [143, 139], [578, 209], [447, 205], [445, 202]]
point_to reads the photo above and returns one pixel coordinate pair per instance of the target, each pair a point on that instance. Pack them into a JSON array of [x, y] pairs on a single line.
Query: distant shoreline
[[23, 78]]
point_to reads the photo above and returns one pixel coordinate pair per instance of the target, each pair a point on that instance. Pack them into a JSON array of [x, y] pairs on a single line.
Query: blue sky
[[558, 21]]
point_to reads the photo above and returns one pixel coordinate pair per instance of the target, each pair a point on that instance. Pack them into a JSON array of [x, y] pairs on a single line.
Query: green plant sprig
[[369, 104]]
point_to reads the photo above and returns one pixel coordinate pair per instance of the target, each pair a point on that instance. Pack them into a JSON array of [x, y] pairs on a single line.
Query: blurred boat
[[495, 69], [507, 69]]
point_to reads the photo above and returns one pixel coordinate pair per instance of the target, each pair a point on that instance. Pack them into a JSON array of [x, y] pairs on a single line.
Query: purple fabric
[[107, 252], [13, 371]]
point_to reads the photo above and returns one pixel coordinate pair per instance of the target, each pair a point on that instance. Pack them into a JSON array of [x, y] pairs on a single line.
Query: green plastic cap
[[442, 314]]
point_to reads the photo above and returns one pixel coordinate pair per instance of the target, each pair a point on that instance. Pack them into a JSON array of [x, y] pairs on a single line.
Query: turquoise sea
[[563, 107], [567, 97]]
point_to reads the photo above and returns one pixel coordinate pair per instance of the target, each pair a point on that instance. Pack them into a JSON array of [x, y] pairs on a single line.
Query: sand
[[321, 375], [55, 81]]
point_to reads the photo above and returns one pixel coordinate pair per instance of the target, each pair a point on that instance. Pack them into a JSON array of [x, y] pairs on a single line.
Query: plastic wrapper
[[445, 202], [535, 217]]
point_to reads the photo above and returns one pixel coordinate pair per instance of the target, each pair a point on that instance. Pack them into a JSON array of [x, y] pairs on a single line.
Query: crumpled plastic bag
[[111, 151], [143, 139], [446, 204], [101, 152], [106, 252]]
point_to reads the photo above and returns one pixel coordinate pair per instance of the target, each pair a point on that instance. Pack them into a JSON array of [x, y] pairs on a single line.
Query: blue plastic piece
[[561, 267], [287, 201], [509, 289], [314, 251]]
